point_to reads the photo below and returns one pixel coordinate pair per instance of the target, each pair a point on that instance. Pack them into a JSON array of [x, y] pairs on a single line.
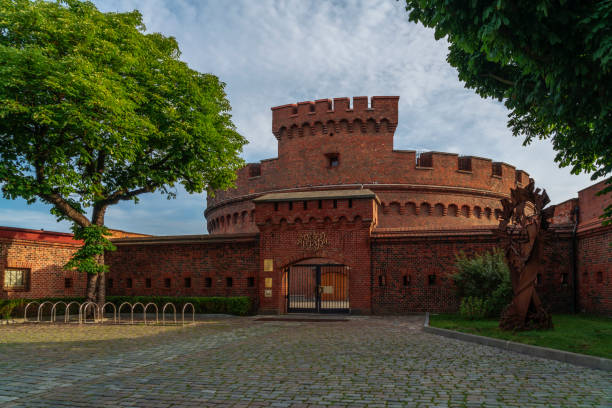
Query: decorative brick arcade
[[393, 220]]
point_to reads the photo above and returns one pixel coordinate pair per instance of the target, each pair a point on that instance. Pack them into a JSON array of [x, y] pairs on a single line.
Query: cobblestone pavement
[[373, 362]]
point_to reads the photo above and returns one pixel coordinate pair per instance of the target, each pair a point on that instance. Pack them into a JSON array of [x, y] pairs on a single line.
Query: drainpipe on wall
[[576, 213]]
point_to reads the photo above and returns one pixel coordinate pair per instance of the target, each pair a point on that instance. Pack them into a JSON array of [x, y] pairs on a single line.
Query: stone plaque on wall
[[268, 293], [268, 282], [268, 265]]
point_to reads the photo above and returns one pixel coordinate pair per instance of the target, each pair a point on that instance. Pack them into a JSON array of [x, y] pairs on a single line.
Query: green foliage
[[485, 278], [95, 244], [549, 62], [94, 111], [15, 307], [473, 308], [578, 333], [238, 305]]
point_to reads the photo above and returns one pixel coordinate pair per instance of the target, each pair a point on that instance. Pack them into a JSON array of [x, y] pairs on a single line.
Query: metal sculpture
[[522, 226]]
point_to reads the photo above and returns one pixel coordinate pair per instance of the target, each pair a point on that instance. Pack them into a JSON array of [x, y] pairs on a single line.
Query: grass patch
[[576, 333]]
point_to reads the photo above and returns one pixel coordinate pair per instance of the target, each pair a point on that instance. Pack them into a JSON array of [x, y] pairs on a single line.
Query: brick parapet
[[324, 145]]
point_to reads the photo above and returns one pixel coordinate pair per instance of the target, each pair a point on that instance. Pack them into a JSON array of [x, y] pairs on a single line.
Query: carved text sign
[[313, 241]]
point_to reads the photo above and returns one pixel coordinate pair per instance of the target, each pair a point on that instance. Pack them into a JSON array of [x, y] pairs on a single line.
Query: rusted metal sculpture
[[523, 223]]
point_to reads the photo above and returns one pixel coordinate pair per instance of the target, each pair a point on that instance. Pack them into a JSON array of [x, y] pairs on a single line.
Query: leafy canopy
[[549, 61], [94, 111]]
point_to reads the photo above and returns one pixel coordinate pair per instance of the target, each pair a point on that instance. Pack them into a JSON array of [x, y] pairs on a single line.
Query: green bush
[[485, 277], [239, 305], [474, 308]]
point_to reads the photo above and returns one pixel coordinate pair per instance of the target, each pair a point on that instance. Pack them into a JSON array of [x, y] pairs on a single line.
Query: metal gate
[[318, 289]]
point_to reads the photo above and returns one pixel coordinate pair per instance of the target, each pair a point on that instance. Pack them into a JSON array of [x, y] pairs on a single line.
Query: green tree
[[549, 61], [93, 111]]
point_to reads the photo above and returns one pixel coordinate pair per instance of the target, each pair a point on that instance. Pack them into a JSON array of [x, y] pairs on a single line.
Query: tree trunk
[[101, 284], [91, 287]]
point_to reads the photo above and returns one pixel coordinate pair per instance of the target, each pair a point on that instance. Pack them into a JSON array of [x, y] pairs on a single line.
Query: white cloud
[[276, 52]]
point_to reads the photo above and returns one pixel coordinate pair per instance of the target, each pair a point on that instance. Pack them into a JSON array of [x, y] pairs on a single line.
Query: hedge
[[239, 305]]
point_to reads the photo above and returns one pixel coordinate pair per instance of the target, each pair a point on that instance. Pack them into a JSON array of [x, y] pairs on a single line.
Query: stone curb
[[598, 363]]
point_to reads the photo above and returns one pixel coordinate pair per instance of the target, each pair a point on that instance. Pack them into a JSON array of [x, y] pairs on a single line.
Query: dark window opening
[[187, 282], [275, 206], [148, 283], [67, 283], [432, 279], [305, 204], [497, 169], [320, 204], [254, 170], [129, 283], [564, 278], [167, 282], [406, 280], [599, 277], [229, 282], [350, 203], [335, 203], [291, 205], [250, 282], [110, 283], [333, 160], [465, 163], [381, 280], [208, 282], [518, 177], [539, 279]]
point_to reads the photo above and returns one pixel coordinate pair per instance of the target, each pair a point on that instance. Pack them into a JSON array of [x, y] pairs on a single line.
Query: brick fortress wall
[[331, 144], [197, 265], [43, 255]]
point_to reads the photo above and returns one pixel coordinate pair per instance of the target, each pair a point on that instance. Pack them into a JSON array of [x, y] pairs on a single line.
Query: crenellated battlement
[[326, 116]]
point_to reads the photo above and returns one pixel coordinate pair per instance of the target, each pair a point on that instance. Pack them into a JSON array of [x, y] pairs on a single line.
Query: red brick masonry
[[396, 220]]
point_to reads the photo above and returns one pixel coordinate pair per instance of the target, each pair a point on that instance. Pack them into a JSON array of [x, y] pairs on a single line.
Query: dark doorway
[[318, 289]]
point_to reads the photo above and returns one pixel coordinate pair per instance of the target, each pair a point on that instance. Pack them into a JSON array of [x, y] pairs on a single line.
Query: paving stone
[[239, 362]]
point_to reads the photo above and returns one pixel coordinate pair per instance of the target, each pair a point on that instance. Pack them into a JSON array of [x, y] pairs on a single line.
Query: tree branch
[[502, 80]]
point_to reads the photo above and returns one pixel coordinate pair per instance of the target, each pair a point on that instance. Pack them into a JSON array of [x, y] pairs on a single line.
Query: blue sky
[[272, 53]]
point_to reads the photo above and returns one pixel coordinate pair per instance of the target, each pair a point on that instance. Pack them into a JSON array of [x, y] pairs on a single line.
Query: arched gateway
[[316, 286]]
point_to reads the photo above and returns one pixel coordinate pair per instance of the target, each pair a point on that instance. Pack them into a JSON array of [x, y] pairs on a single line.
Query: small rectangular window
[[16, 279], [406, 280], [335, 203], [564, 279], [539, 279], [381, 280], [320, 204], [275, 206], [187, 282], [600, 277], [67, 283], [350, 203], [167, 282], [128, 283], [208, 282], [250, 282], [305, 205], [110, 283], [432, 279], [291, 205], [148, 283], [229, 282]]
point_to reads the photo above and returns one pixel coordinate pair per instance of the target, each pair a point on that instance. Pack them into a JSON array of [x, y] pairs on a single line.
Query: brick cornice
[[373, 187]]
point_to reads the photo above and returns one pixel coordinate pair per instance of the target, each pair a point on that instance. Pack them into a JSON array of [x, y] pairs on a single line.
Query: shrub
[[484, 277], [239, 305], [473, 308]]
